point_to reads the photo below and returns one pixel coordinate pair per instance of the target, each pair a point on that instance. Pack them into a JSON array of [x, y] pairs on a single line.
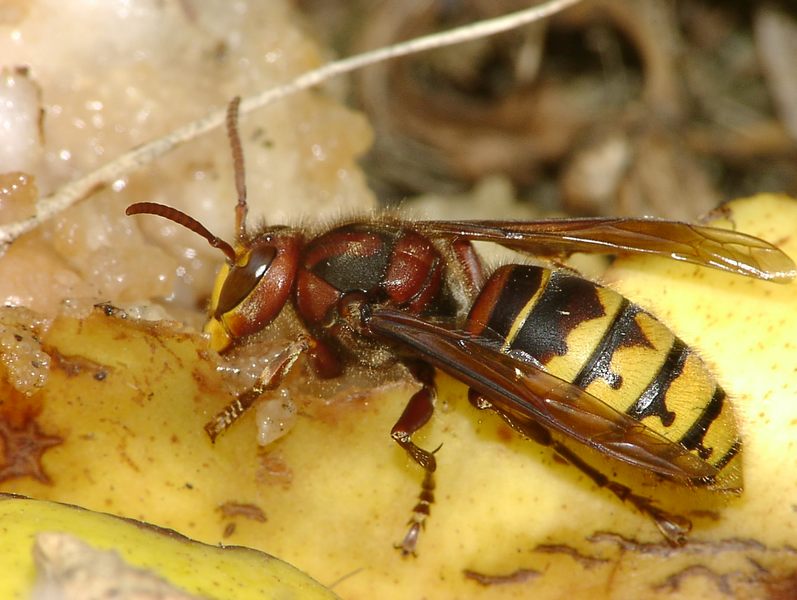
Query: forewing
[[522, 391], [706, 246]]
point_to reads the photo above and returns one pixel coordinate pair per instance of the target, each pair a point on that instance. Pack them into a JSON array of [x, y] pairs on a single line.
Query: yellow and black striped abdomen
[[598, 340]]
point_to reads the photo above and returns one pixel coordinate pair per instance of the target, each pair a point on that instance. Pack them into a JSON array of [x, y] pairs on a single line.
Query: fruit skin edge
[[336, 492], [201, 569]]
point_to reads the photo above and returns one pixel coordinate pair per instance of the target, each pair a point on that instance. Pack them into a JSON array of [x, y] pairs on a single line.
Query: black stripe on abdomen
[[732, 451], [566, 302], [693, 438], [521, 285], [598, 366], [652, 402]]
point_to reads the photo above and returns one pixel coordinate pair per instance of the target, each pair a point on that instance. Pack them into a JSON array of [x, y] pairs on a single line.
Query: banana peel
[[119, 428], [167, 565]]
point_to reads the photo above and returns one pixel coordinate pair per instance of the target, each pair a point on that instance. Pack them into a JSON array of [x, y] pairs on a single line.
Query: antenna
[[179, 217], [241, 208]]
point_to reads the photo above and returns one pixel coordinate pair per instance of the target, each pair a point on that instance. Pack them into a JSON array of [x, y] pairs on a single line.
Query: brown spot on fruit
[[23, 448], [239, 509]]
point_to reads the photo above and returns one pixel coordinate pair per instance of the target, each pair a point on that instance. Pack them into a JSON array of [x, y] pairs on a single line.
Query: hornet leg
[[416, 414], [673, 527]]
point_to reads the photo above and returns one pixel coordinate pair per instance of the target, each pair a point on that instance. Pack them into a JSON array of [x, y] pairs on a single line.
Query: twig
[[70, 193]]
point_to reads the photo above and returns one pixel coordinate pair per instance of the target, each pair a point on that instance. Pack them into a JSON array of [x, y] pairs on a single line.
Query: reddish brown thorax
[[390, 265]]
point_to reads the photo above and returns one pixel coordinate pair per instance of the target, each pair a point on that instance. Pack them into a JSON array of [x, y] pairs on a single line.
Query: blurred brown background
[[614, 107]]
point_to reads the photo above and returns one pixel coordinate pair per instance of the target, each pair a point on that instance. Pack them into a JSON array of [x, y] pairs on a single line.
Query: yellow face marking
[[220, 338], [217, 285]]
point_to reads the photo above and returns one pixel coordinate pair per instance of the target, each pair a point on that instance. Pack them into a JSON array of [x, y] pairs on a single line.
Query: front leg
[[269, 379], [416, 414]]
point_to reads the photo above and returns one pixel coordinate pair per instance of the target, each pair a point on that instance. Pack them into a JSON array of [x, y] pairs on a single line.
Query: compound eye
[[242, 279]]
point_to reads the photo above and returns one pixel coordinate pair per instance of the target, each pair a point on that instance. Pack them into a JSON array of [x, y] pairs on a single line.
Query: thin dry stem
[[70, 193]]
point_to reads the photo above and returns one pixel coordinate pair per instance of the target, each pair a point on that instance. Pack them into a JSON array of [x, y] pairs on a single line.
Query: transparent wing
[[707, 246]]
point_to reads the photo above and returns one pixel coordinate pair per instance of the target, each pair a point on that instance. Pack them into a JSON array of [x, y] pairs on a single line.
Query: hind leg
[[673, 527]]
